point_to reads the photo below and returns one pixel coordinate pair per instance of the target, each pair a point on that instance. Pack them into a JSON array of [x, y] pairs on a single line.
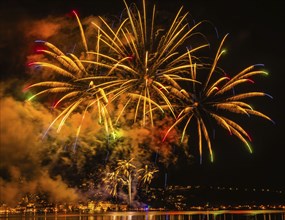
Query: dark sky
[[256, 35]]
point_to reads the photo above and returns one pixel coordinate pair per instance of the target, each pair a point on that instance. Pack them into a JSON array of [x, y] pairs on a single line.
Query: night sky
[[256, 35]]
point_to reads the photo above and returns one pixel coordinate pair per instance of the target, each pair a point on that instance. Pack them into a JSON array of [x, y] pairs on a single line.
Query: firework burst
[[135, 66], [147, 70], [146, 61], [213, 99]]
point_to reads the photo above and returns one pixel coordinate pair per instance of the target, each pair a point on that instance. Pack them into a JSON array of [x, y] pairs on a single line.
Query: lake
[[159, 215]]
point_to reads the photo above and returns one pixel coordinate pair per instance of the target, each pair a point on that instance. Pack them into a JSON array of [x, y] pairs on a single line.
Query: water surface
[[158, 215]]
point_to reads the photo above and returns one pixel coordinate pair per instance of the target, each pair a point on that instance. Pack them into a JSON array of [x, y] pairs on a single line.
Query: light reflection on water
[[153, 215]]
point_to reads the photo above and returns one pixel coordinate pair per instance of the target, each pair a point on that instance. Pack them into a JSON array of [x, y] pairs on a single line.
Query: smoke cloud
[[22, 127]]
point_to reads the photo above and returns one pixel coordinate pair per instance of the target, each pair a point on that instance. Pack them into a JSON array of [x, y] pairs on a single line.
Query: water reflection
[[191, 215]]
